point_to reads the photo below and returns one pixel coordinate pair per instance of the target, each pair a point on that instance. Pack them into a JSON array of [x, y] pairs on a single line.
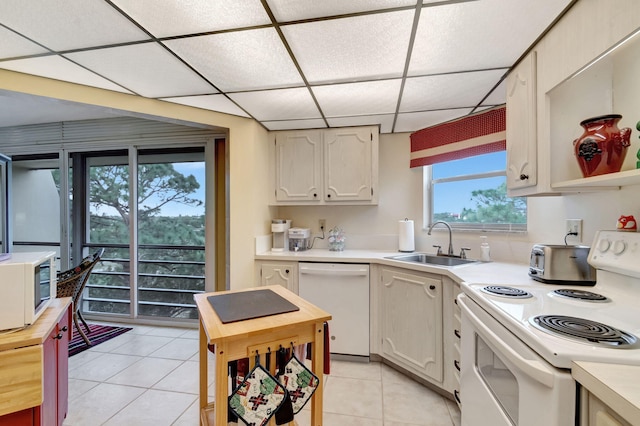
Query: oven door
[[503, 382]]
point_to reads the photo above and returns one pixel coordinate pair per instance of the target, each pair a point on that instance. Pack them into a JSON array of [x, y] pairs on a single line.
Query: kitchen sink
[[431, 259]]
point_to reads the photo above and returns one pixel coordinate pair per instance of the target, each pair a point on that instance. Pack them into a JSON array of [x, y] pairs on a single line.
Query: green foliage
[[178, 269], [158, 185], [491, 206]]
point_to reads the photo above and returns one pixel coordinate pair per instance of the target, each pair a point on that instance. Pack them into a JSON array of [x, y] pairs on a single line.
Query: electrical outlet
[[322, 223], [574, 226]]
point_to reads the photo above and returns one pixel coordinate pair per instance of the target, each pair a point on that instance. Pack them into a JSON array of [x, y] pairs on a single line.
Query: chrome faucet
[[450, 251]]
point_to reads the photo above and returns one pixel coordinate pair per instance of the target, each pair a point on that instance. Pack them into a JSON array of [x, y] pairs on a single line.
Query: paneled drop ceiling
[[289, 64]]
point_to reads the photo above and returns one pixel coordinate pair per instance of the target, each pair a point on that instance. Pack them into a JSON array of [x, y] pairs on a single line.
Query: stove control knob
[[619, 247], [604, 245]]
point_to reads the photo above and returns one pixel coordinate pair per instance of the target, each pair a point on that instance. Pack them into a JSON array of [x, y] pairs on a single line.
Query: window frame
[[428, 183]]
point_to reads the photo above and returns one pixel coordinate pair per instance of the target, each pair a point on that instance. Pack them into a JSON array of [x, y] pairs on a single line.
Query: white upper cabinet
[[348, 169], [299, 166], [521, 125], [333, 166]]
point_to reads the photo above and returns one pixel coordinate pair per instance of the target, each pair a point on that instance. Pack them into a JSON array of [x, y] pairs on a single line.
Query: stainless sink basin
[[430, 259]]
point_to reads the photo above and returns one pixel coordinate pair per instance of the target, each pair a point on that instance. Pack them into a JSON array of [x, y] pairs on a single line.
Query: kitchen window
[[471, 193]]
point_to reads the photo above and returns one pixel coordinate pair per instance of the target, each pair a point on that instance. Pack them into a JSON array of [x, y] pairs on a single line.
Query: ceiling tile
[[13, 45], [69, 24], [59, 68], [147, 69], [284, 104], [218, 103], [295, 124], [292, 10], [348, 49], [498, 96], [411, 122], [385, 121], [178, 17], [478, 35], [372, 97], [448, 90], [242, 60]]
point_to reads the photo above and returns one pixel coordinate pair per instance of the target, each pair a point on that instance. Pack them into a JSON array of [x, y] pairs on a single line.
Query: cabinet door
[[46, 414], [601, 414], [348, 164], [299, 166], [55, 374], [412, 321], [62, 351], [521, 125], [284, 274]]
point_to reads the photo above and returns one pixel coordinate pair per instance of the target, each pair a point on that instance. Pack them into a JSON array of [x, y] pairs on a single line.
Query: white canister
[[406, 242]]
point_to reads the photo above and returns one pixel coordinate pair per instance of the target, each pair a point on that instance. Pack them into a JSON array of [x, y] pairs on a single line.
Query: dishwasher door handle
[[341, 272]]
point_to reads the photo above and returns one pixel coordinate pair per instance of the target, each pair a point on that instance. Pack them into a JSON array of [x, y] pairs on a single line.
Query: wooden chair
[[71, 283]]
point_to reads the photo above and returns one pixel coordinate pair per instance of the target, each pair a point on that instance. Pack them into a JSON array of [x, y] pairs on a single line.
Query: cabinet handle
[[328, 195], [456, 395], [524, 177], [456, 364], [286, 271], [432, 287], [315, 195], [457, 333], [455, 301], [64, 328], [58, 336]]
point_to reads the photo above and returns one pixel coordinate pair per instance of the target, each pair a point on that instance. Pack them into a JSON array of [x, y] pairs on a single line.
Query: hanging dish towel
[[258, 397], [285, 414]]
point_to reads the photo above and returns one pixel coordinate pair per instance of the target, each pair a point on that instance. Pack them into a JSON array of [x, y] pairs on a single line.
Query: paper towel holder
[[406, 243]]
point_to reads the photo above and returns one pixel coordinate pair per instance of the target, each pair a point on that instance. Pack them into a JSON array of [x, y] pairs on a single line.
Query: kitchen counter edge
[[616, 385], [481, 272]]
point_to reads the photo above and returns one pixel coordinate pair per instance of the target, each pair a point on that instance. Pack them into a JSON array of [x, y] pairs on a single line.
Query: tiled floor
[[149, 376]]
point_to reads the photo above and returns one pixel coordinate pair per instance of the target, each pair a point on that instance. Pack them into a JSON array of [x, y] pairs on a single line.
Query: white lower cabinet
[[600, 414], [411, 321], [452, 329], [281, 273]]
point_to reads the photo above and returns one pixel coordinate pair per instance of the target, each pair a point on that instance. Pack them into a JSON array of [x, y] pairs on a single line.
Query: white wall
[[376, 227], [36, 206]]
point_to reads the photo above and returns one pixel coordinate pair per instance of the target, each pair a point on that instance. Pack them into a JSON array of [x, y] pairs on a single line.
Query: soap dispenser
[[485, 250]]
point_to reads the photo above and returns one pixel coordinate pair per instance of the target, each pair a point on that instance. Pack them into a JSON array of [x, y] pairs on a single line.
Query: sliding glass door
[[154, 248]]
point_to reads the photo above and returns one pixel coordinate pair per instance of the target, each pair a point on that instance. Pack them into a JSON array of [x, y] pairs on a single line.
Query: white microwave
[[27, 286]]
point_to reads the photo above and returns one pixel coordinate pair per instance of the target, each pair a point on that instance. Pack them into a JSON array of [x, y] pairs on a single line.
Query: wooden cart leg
[[317, 360], [222, 384], [204, 369]]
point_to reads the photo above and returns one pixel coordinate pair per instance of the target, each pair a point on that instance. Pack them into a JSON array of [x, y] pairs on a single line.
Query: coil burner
[[583, 330], [581, 295], [505, 291]]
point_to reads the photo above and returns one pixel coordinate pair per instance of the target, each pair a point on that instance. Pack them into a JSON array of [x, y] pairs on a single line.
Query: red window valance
[[471, 135]]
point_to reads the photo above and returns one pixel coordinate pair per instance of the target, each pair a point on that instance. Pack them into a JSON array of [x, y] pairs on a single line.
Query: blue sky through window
[[452, 197]]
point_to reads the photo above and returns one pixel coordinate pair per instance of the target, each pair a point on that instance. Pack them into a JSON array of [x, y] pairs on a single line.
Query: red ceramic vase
[[602, 147]]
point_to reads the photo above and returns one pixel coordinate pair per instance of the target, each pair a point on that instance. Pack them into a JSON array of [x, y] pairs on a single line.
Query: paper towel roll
[[405, 236]]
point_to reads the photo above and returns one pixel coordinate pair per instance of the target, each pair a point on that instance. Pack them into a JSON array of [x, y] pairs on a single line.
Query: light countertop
[[615, 385], [481, 272]]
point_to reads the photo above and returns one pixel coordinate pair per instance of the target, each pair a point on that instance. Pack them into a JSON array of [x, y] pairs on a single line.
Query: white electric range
[[518, 341]]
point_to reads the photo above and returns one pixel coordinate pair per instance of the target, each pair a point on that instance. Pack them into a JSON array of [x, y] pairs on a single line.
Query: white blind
[[103, 133]]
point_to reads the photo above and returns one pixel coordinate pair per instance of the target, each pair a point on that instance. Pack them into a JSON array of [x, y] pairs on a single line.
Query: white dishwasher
[[341, 289]]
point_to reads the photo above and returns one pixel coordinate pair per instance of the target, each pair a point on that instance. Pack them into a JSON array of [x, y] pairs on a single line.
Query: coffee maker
[[280, 231]]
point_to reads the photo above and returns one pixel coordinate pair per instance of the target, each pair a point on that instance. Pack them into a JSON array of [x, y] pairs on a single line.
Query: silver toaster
[[560, 264]]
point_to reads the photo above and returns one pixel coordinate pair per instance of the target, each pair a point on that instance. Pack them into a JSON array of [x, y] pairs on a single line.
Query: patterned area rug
[[99, 334]]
